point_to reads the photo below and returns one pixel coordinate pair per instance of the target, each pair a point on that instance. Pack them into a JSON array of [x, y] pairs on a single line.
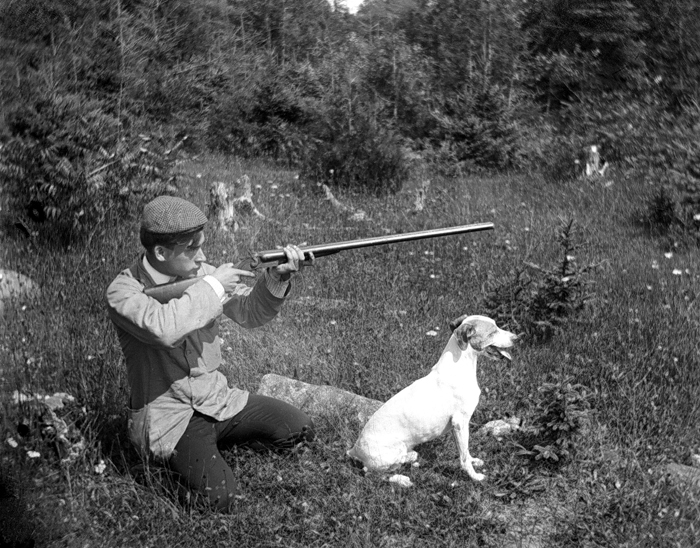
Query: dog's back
[[415, 415]]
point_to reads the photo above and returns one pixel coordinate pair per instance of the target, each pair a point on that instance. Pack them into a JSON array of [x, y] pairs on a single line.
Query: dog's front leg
[[460, 429]]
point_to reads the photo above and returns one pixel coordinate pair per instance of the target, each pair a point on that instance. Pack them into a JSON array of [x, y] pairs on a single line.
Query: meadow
[[372, 321]]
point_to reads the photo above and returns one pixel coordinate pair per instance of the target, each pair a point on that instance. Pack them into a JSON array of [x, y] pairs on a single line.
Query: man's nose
[[200, 257]]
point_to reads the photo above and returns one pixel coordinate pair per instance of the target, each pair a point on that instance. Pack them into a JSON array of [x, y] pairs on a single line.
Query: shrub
[[563, 409], [538, 306], [479, 130], [661, 209], [564, 160], [266, 117], [65, 167], [674, 207], [365, 157]]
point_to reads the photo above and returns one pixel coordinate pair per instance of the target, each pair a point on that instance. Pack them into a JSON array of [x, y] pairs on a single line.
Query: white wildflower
[[100, 467], [668, 255], [677, 272], [33, 454], [11, 442], [431, 333], [655, 265]]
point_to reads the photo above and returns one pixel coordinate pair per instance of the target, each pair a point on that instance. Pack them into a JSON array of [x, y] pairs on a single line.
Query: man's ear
[[160, 253], [454, 324]]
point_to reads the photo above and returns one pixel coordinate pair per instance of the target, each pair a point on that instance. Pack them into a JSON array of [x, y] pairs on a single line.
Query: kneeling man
[[182, 410]]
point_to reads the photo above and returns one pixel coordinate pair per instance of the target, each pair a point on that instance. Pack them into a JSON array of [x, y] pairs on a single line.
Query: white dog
[[445, 398]]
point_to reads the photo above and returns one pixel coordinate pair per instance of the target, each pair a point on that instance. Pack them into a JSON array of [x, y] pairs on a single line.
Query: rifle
[[264, 259]]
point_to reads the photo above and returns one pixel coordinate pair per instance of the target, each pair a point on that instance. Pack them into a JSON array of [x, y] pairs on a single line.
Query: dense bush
[[265, 117], [66, 166], [366, 157], [563, 410], [479, 130]]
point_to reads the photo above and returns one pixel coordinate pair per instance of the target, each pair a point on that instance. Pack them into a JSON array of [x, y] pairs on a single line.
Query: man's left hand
[[295, 260]]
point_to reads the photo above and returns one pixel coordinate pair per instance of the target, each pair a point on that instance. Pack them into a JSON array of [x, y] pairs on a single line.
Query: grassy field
[[635, 349]]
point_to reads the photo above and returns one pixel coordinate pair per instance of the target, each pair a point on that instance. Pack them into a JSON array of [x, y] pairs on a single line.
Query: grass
[[359, 320]]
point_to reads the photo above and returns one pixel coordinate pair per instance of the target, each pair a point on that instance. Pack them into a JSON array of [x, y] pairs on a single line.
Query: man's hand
[[228, 275], [295, 260]]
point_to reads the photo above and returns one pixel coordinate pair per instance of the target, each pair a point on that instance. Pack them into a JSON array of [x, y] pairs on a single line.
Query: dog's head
[[483, 335]]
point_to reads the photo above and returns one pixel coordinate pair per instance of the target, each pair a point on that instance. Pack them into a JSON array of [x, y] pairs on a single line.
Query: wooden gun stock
[[264, 259]]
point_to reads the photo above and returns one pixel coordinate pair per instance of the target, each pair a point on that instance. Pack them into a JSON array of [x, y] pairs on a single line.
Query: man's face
[[184, 259]]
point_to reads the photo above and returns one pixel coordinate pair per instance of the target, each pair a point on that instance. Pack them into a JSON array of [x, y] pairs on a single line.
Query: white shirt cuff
[[216, 286]]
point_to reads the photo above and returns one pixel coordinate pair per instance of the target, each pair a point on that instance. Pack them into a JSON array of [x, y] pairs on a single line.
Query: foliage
[[265, 115], [538, 306], [671, 36], [58, 166], [367, 157], [479, 130], [562, 411]]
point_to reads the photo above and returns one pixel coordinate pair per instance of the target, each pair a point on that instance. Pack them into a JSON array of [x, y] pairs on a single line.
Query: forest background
[[102, 92]]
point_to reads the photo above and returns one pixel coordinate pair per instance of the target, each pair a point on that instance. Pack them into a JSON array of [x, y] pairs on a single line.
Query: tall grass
[[360, 321]]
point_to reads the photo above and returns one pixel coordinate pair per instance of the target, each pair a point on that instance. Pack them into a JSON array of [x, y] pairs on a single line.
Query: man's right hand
[[228, 275]]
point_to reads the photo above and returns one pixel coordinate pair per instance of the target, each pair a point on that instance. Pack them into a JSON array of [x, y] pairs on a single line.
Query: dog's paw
[[411, 457], [477, 477]]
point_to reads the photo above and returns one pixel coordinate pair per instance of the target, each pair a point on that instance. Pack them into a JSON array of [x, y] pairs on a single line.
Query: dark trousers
[[263, 423]]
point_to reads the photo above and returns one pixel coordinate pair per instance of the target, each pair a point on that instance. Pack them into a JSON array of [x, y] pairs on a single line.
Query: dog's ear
[[464, 335], [454, 324], [475, 333]]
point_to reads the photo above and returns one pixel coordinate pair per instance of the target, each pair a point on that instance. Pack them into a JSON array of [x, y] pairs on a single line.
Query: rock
[[401, 480], [318, 400], [500, 428], [695, 460], [684, 475], [14, 285], [44, 417]]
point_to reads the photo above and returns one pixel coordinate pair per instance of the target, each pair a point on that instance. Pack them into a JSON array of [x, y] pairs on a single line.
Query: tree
[[672, 35], [582, 45]]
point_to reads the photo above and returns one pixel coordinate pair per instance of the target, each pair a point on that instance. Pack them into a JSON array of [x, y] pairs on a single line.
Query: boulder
[[500, 428], [14, 285], [318, 400], [684, 475]]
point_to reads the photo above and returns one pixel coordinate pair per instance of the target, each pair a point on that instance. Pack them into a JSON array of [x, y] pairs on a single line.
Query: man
[[181, 408]]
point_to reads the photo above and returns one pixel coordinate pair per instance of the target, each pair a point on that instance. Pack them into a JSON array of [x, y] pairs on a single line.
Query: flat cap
[[172, 215]]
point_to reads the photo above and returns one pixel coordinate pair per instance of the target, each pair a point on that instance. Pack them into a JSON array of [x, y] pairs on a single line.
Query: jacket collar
[[146, 274]]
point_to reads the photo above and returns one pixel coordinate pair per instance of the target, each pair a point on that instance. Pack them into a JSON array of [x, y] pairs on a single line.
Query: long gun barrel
[[263, 259]]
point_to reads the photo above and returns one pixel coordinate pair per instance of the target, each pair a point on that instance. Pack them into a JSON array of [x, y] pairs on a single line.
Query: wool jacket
[[173, 351]]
